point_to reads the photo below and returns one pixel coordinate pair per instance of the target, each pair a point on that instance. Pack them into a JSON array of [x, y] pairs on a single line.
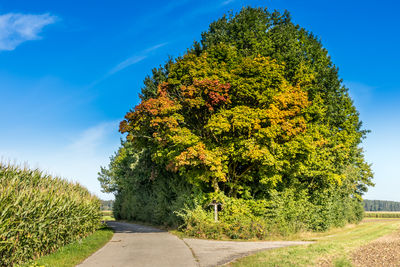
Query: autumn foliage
[[251, 114]]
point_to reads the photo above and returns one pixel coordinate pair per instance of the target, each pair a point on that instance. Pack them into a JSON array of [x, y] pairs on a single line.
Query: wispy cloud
[[90, 141], [126, 63], [17, 28], [226, 2], [77, 157], [135, 59]]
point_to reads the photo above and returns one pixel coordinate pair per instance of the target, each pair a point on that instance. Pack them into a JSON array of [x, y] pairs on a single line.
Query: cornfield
[[40, 213]]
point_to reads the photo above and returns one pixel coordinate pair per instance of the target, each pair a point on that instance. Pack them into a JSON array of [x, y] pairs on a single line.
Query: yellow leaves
[[292, 98], [184, 137], [199, 156], [245, 119], [287, 111], [254, 151], [335, 178], [218, 123], [271, 181], [304, 75]]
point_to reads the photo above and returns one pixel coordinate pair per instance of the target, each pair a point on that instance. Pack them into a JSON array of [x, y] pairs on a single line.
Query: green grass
[[333, 246], [74, 253], [107, 218]]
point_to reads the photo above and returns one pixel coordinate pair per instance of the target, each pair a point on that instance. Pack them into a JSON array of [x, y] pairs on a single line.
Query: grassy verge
[[331, 248], [74, 253]]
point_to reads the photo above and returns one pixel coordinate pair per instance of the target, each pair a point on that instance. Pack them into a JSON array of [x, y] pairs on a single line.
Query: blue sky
[[70, 70]]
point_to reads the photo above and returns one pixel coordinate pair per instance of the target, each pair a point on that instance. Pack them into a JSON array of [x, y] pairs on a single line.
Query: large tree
[[255, 107]]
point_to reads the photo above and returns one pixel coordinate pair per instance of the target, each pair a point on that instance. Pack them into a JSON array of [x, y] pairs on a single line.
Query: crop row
[[382, 214], [40, 213]]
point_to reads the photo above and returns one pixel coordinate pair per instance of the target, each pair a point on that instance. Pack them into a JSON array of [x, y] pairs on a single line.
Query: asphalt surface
[[214, 253], [142, 246]]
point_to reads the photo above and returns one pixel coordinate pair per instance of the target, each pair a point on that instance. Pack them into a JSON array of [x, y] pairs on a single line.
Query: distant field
[[382, 214], [107, 215]]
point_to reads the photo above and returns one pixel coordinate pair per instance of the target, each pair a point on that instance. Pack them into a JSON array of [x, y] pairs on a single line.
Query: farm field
[[45, 214], [74, 253], [107, 215], [382, 214], [355, 245]]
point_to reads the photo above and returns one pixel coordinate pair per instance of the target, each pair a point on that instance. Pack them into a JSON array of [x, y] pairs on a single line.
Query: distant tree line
[[381, 205], [107, 204]]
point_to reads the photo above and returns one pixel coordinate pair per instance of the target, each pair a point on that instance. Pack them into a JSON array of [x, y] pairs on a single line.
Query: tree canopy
[[254, 108]]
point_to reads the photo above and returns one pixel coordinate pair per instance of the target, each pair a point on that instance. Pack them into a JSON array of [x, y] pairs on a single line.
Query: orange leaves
[[161, 105], [196, 154], [124, 126], [152, 113], [209, 93]]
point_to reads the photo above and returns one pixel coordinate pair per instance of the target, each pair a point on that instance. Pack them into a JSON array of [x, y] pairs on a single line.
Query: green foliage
[[285, 213], [40, 213], [254, 115], [158, 193]]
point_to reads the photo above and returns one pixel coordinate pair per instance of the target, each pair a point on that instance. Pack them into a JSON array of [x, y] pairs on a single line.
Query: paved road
[[214, 253], [142, 246], [136, 245]]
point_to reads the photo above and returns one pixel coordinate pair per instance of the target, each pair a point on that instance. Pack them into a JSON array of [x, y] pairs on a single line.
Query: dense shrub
[[285, 213], [40, 213]]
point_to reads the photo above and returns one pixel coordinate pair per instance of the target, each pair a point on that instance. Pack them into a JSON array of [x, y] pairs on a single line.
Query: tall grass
[[40, 213]]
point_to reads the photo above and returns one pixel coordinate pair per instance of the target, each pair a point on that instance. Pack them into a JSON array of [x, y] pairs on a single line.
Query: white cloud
[[134, 59], [126, 63], [138, 57], [17, 28], [90, 140], [227, 2]]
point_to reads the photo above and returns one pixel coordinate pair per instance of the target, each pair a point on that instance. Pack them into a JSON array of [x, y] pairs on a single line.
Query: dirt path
[[137, 245]]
